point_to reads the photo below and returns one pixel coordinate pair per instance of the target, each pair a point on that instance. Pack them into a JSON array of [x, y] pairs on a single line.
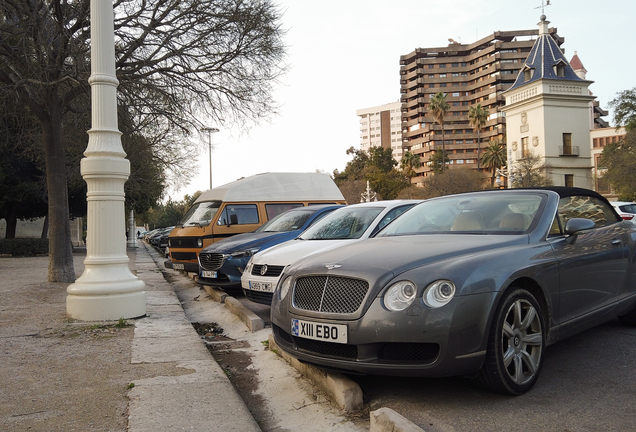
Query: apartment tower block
[[470, 74]]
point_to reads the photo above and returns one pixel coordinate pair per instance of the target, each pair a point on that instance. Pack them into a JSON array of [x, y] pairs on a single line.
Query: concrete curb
[[249, 318], [387, 420], [216, 294], [346, 393]]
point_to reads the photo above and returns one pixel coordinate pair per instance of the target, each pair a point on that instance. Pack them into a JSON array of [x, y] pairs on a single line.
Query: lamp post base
[[106, 299]]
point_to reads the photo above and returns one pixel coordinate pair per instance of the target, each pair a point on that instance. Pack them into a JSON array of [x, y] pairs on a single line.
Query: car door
[[593, 263]]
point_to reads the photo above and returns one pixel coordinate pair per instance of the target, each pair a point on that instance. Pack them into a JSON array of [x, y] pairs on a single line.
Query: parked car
[[222, 263], [346, 225], [475, 284], [626, 210]]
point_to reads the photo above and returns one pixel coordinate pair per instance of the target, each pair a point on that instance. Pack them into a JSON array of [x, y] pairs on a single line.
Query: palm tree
[[409, 163], [438, 107], [494, 157], [477, 117]]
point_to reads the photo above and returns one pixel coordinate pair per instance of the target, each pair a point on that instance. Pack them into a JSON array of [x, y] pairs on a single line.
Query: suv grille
[[271, 271], [329, 294], [211, 261]]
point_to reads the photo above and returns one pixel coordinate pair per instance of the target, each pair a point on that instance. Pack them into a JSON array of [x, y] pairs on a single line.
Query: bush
[[24, 246]]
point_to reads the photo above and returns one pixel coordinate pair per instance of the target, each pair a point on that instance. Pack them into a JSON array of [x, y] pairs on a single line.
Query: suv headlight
[[439, 293], [200, 243], [244, 253], [400, 295]]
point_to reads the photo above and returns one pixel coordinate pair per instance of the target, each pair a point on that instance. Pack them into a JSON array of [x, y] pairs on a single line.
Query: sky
[[344, 55]]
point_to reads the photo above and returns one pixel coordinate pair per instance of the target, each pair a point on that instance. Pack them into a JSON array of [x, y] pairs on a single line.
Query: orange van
[[242, 206]]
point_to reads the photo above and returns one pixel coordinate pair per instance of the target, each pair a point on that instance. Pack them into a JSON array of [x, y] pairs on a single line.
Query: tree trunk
[[12, 223], [45, 227], [60, 248]]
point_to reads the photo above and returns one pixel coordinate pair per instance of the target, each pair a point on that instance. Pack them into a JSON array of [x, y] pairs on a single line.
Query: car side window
[[390, 216], [239, 214], [588, 207], [555, 229]]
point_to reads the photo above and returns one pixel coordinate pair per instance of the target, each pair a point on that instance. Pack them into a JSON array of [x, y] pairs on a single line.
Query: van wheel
[[516, 343]]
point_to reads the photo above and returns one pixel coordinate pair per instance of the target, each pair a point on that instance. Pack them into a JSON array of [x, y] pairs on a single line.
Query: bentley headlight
[[284, 287], [400, 295], [200, 243], [439, 293]]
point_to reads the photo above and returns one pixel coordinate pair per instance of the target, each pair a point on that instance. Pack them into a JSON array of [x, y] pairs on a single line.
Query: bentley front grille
[[329, 294]]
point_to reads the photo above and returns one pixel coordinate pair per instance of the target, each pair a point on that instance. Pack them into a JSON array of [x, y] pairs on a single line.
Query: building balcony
[[568, 150]]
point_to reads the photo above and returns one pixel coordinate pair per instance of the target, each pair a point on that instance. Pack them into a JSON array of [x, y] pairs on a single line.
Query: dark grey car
[[472, 284]]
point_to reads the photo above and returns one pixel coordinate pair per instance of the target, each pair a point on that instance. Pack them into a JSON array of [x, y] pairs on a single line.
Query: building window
[[527, 74], [569, 180], [431, 76], [431, 66], [442, 65], [442, 75], [525, 150], [456, 94], [442, 85], [567, 143]]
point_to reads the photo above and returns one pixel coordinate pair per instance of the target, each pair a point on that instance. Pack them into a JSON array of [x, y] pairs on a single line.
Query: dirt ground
[[56, 374]]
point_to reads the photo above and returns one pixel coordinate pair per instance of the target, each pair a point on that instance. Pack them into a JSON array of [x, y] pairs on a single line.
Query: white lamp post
[[107, 290], [210, 131]]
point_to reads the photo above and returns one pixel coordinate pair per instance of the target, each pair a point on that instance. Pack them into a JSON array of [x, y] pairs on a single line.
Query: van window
[[201, 214], [273, 210], [238, 214]]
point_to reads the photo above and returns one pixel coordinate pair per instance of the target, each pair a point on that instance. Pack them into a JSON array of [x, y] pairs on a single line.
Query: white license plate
[[208, 274], [261, 286], [177, 266], [319, 331]]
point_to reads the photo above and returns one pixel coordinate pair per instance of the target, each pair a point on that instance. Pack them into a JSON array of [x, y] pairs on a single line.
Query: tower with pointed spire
[[547, 114]]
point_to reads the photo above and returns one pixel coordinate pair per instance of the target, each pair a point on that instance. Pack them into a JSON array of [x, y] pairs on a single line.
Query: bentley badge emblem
[[333, 266]]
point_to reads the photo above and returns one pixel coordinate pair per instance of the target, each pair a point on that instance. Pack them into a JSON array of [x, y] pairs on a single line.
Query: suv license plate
[[177, 266], [319, 331], [261, 286], [208, 274]]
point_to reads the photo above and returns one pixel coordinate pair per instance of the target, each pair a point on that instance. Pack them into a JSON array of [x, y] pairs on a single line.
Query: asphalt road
[[587, 384]]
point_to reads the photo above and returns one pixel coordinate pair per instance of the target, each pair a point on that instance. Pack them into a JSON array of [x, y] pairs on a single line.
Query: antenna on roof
[[542, 7]]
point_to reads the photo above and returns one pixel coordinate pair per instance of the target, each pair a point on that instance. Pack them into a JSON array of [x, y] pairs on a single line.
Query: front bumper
[[420, 341], [187, 266], [259, 296]]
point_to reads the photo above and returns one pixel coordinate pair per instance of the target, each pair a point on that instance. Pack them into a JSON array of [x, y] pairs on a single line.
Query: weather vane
[[542, 7]]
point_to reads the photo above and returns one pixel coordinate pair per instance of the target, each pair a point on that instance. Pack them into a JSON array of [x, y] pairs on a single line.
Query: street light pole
[[107, 290], [210, 131]]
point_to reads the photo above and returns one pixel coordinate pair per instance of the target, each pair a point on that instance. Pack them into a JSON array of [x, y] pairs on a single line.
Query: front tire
[[515, 346]]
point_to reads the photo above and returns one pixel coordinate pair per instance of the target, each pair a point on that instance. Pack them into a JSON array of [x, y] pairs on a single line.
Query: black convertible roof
[[565, 191]]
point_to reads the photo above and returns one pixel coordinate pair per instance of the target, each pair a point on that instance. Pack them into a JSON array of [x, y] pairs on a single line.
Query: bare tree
[[179, 63], [532, 171]]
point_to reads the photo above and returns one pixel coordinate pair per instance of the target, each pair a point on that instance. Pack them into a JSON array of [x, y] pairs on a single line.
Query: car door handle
[[616, 242]]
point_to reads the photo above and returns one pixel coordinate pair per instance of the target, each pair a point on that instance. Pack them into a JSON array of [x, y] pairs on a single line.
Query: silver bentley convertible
[[475, 284]]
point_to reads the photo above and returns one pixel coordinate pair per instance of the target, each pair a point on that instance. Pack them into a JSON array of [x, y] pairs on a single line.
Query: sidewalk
[[58, 374]]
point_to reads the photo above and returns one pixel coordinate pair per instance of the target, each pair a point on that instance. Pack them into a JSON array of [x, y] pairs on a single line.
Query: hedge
[[24, 246]]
